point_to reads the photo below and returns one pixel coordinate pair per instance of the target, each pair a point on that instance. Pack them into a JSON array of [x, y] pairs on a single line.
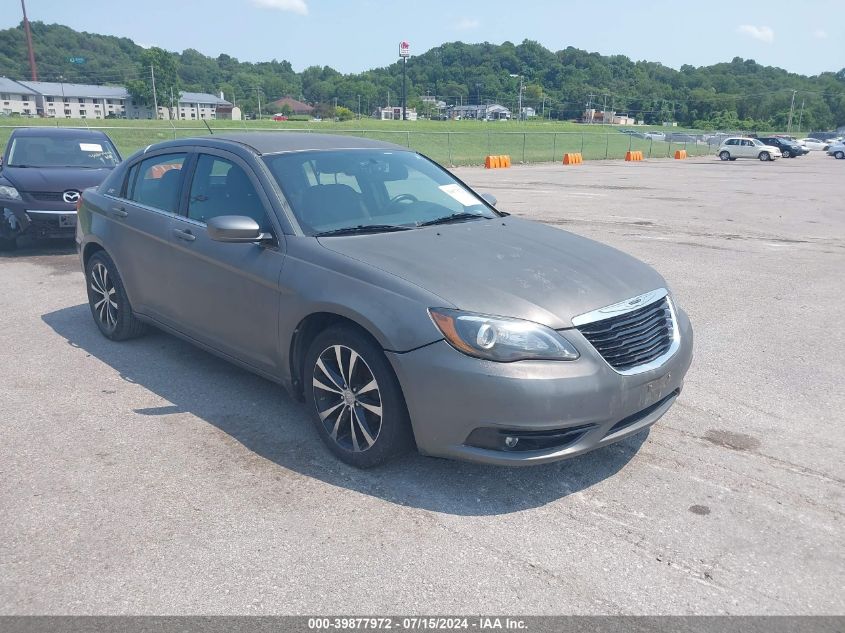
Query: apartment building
[[77, 101], [16, 99], [84, 101]]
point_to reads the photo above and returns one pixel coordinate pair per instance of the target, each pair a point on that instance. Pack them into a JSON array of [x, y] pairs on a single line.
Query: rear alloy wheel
[[358, 407], [785, 153], [839, 155], [724, 155], [108, 301], [765, 156]]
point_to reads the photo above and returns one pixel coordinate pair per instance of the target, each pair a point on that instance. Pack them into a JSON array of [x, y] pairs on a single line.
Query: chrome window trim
[[629, 305], [170, 214]]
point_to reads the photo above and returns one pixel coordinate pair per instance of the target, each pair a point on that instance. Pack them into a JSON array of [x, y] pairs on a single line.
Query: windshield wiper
[[364, 228], [457, 217]]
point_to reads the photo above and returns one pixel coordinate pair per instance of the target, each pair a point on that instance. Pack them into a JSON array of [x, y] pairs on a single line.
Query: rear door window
[[156, 182]]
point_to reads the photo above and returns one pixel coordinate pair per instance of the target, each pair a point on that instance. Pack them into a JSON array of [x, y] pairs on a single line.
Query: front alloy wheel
[[765, 156], [348, 398], [356, 401]]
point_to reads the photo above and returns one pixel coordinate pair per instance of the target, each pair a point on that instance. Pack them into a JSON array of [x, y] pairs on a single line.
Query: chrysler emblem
[[70, 196]]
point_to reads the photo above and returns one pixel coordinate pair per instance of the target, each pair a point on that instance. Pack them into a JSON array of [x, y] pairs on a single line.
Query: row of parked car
[[768, 148]]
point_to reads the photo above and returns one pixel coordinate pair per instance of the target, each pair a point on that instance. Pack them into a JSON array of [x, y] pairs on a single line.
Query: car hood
[[507, 266], [35, 179]]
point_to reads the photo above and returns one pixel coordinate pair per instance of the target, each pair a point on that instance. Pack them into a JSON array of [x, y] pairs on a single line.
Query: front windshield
[[330, 191], [66, 151]]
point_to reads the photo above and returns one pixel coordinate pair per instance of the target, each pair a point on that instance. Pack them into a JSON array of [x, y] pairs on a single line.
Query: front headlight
[[9, 193], [500, 338]]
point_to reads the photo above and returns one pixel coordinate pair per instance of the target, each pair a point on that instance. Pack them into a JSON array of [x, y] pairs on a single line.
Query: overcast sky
[[353, 35]]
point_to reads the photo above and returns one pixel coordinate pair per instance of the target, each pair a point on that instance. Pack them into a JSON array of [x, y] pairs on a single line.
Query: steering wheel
[[403, 197]]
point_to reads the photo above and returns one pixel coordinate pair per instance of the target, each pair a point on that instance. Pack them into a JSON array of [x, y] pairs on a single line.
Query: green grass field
[[448, 142]]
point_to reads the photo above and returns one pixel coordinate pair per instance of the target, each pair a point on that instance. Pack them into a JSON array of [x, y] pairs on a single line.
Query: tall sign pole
[[404, 53], [32, 69]]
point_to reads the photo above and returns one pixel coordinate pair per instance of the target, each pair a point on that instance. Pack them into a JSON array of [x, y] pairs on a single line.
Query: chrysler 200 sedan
[[401, 306]]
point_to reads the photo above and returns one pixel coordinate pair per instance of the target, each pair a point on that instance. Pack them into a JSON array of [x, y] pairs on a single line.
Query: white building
[[85, 101], [78, 101], [201, 105], [16, 99]]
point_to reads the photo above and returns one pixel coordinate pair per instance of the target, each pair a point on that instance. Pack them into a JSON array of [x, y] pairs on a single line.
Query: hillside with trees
[[559, 85]]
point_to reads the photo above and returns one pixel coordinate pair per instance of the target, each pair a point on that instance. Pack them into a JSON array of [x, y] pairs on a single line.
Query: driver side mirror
[[237, 229], [490, 199]]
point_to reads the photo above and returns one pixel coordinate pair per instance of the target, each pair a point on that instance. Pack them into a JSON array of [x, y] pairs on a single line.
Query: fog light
[[510, 442]]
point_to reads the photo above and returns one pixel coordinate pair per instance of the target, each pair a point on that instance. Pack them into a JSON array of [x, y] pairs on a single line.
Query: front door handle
[[184, 235], [119, 212]]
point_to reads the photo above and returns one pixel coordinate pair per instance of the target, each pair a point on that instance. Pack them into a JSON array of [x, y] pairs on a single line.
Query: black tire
[[8, 244], [765, 156], [724, 155], [344, 415], [114, 318]]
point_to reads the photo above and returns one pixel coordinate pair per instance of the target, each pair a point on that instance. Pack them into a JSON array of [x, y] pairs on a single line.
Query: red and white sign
[[404, 49]]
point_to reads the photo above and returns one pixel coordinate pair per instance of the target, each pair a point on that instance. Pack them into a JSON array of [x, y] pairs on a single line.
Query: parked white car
[[813, 144], [742, 147], [837, 150]]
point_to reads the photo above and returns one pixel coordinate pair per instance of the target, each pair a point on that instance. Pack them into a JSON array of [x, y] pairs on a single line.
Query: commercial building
[[610, 117], [488, 112], [393, 113]]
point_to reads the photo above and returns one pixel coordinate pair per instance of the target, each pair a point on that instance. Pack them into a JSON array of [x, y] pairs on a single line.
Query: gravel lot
[[151, 477]]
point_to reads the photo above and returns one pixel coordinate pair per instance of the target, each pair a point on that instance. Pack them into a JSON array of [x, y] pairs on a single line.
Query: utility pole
[[791, 110], [519, 99], [604, 111], [800, 116], [258, 96], [359, 107], [32, 68], [171, 104], [155, 97], [590, 107]]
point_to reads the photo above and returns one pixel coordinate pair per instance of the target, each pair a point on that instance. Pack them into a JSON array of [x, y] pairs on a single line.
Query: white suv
[[742, 147]]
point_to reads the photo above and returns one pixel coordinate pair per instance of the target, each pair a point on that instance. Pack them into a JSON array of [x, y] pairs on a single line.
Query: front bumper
[[585, 403], [54, 221]]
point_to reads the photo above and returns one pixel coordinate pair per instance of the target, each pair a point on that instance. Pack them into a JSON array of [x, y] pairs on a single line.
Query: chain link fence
[[449, 147]]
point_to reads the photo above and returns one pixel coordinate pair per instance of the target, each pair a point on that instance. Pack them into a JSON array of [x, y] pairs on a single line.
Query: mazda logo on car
[[70, 196]]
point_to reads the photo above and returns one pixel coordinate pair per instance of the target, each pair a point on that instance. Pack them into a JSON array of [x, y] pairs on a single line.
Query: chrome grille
[[634, 338]]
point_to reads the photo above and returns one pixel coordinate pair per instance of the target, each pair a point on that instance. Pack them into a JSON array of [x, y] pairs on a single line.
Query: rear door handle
[[119, 212], [184, 235]]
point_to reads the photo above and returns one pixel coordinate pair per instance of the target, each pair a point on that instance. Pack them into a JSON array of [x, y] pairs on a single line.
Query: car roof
[[279, 142], [59, 132]]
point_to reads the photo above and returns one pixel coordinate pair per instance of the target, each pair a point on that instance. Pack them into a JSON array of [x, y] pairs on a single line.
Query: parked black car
[[788, 149], [43, 173]]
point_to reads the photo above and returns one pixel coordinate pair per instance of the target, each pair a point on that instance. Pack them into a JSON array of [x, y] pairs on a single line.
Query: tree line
[[557, 84]]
